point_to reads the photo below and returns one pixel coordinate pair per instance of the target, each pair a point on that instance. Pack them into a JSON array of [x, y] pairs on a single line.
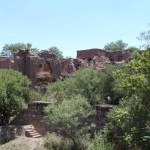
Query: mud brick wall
[[47, 55], [41, 67], [32, 115], [32, 67], [86, 54], [5, 63], [55, 66], [112, 55], [67, 67]]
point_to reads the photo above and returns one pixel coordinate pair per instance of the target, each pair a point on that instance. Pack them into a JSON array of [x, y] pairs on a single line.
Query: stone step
[[37, 136], [32, 133], [29, 130]]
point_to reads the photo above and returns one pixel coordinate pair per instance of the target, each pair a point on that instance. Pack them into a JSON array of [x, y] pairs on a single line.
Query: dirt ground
[[24, 143]]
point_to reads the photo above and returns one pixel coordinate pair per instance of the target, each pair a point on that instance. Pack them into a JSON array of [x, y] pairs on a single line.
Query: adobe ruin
[[116, 56], [6, 62], [44, 67]]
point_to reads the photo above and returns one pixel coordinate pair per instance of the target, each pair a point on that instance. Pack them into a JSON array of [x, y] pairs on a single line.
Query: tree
[[134, 48], [109, 81], [14, 94], [69, 117], [56, 51], [10, 49], [116, 46], [92, 84], [60, 90], [100, 143], [145, 36], [88, 82], [129, 122]]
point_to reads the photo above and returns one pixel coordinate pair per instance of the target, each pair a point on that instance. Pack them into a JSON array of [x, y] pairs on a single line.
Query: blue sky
[[72, 24]]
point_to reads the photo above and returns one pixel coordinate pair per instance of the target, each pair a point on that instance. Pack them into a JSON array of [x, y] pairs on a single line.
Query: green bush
[[86, 83], [91, 83], [35, 95], [61, 90], [130, 119], [55, 142], [108, 86], [127, 125], [70, 117], [14, 94], [99, 143]]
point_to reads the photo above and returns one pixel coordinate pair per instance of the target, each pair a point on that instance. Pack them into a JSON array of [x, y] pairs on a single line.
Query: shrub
[[127, 125], [130, 119], [55, 142], [88, 82], [91, 83], [70, 117], [108, 86], [99, 143], [61, 90], [14, 94]]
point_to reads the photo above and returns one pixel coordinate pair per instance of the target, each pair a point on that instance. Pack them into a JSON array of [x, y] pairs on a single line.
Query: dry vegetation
[[24, 143]]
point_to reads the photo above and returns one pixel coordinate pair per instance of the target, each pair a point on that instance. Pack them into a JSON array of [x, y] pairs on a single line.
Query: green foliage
[[55, 142], [88, 82], [35, 95], [14, 94], [145, 36], [69, 117], [116, 46], [129, 121], [133, 48], [60, 90], [108, 86], [56, 51], [127, 124], [14, 48], [137, 80], [99, 143]]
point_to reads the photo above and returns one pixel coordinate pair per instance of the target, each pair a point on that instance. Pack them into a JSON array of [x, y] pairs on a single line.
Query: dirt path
[[24, 143]]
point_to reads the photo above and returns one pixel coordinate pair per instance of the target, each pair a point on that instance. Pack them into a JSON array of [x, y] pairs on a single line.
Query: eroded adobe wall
[[112, 55], [67, 67], [32, 115], [5, 63], [86, 54], [43, 67]]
